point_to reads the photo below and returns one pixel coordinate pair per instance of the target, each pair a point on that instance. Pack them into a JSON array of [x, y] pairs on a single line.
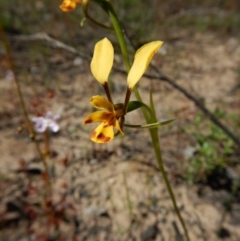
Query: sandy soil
[[114, 191]]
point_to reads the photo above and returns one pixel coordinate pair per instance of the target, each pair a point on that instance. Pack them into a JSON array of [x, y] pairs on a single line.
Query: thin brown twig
[[32, 133], [159, 76], [53, 42]]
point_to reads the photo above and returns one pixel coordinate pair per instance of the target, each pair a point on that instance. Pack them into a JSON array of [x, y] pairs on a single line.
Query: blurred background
[[115, 191]]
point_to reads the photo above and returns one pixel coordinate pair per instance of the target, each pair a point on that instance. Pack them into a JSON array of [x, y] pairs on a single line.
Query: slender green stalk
[[25, 112], [120, 35], [157, 149], [156, 145], [149, 119]]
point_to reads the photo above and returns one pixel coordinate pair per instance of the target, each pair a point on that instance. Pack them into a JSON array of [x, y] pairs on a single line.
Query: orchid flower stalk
[[108, 114], [149, 119]]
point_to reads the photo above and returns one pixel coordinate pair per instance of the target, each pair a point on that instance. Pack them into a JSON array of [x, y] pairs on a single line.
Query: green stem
[[153, 132], [144, 111], [120, 35], [156, 145], [149, 126]]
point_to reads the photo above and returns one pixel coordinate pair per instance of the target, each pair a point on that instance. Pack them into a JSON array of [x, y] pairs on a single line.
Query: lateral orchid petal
[[141, 61], [102, 60]]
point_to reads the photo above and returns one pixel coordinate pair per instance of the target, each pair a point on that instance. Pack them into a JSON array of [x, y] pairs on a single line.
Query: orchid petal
[[56, 117], [141, 61], [53, 126], [40, 124], [102, 60], [100, 102], [103, 133], [49, 115], [98, 116]]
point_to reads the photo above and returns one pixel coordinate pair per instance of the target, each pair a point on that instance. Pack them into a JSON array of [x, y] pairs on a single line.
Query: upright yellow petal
[[100, 102], [103, 133], [102, 60], [141, 61]]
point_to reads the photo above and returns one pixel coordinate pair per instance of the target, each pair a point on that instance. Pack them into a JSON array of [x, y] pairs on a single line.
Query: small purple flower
[[48, 121], [9, 76]]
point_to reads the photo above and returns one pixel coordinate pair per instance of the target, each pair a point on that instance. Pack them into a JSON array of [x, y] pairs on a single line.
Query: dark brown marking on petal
[[103, 138], [93, 135], [88, 121]]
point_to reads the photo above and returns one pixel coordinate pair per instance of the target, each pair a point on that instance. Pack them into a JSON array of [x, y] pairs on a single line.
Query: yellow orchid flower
[[108, 115], [101, 66], [69, 5]]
